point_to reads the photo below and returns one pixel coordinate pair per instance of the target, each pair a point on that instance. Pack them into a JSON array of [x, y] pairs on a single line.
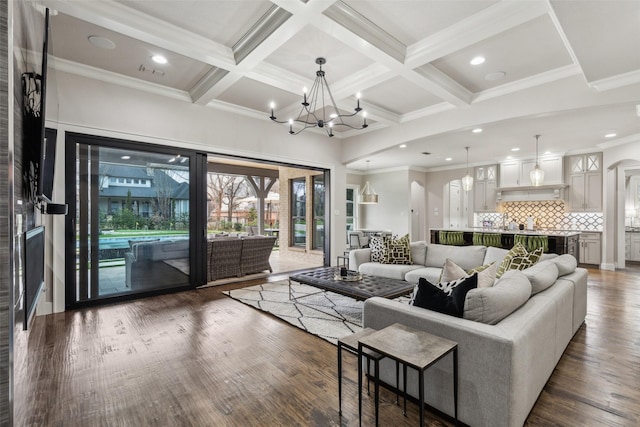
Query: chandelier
[[467, 180], [368, 195], [319, 109], [537, 174]]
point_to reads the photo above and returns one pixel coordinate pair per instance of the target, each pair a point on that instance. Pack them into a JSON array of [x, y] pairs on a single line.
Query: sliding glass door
[[131, 220]]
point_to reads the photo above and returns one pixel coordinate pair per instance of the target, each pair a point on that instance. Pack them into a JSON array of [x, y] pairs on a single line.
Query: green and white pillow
[[518, 259]]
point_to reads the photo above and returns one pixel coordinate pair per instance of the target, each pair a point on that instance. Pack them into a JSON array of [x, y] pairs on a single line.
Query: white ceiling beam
[[489, 22]]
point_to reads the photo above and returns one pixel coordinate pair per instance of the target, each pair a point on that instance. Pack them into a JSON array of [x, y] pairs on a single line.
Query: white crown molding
[[99, 74], [489, 22], [615, 82], [565, 40], [529, 82]]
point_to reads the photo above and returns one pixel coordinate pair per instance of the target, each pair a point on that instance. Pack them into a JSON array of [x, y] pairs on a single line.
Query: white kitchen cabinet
[[510, 174], [515, 173], [627, 246], [634, 246], [590, 248], [585, 182], [484, 192]]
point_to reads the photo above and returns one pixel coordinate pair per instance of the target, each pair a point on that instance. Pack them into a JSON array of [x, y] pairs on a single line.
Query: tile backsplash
[[547, 214]]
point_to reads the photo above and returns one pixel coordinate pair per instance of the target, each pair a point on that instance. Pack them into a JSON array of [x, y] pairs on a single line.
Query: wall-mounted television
[[38, 152]]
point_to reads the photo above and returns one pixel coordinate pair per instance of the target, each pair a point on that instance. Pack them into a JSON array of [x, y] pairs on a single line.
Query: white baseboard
[[608, 266]]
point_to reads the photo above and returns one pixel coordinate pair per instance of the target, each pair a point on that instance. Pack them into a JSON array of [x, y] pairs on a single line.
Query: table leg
[[455, 385], [404, 389], [377, 387], [421, 396], [340, 378], [397, 383], [360, 384]]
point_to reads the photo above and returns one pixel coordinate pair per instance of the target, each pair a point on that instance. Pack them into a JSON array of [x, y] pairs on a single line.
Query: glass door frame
[[197, 221]]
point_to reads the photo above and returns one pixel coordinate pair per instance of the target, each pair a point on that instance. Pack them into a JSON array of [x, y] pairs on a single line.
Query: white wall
[[615, 160], [98, 108], [394, 202]]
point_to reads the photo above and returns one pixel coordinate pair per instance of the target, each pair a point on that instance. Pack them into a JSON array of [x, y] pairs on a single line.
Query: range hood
[[531, 193]]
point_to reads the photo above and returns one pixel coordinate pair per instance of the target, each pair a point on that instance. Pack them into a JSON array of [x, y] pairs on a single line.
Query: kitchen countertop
[[541, 232]]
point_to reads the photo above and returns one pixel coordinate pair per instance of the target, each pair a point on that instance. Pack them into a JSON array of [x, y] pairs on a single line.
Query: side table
[[350, 343], [413, 348]]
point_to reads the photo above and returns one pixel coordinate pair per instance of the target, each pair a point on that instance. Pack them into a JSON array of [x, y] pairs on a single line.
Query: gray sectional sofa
[[520, 329]]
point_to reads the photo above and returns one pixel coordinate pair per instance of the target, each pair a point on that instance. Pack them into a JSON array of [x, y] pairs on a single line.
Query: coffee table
[[369, 286], [410, 347]]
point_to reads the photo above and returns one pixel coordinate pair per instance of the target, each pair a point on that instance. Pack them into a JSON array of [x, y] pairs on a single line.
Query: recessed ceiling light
[[102, 42], [509, 157], [547, 152], [125, 157], [610, 135], [477, 60], [159, 59], [403, 145], [515, 149], [448, 159], [491, 77], [477, 130]]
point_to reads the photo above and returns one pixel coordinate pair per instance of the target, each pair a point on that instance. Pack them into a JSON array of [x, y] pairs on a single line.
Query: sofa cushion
[[495, 255], [418, 252], [566, 264], [396, 250], [518, 259], [491, 305], [432, 297], [486, 273], [542, 275], [467, 257], [432, 274], [392, 271]]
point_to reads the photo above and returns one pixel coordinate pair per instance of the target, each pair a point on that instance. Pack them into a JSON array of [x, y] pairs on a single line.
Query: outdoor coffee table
[[324, 278], [413, 348]]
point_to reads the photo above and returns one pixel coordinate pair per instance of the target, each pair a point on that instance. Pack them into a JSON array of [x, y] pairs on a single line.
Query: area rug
[[325, 314]]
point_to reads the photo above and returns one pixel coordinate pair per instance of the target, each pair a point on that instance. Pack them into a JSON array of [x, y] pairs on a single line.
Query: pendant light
[[467, 180], [368, 196], [537, 174]]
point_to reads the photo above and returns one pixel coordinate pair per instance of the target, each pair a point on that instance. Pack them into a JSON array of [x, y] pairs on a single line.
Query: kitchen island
[[559, 241]]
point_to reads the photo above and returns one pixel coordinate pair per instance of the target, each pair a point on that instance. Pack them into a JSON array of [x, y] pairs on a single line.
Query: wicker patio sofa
[[238, 256]]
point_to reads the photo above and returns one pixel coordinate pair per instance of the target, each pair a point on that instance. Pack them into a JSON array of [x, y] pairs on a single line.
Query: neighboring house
[[149, 188]]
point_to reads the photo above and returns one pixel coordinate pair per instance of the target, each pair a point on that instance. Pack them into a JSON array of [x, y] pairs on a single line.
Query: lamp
[[314, 112], [368, 196], [467, 180], [537, 174]]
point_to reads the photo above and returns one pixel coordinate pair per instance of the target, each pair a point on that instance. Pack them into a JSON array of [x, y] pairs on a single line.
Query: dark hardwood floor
[[199, 358]]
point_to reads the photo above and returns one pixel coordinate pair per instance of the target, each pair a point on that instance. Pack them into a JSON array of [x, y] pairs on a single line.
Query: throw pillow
[[433, 298], [486, 273], [377, 249], [518, 259], [397, 250], [491, 305], [542, 275]]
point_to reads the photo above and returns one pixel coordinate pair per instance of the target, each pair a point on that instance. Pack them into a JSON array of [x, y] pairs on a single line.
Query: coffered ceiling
[[568, 70]]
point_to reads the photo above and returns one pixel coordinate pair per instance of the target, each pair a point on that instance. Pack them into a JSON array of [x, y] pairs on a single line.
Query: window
[[298, 212], [318, 212]]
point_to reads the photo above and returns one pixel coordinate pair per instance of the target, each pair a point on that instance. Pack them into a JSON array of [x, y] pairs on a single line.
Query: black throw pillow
[[433, 298]]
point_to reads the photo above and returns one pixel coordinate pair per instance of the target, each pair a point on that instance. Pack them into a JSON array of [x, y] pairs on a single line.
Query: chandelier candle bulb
[[304, 90]]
